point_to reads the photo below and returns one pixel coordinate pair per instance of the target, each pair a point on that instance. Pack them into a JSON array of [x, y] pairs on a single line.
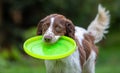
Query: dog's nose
[[48, 38]]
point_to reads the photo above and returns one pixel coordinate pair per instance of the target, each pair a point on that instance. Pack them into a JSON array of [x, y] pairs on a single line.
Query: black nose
[[47, 38]]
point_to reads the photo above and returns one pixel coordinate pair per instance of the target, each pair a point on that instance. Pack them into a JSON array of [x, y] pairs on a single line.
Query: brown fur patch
[[86, 48], [82, 53], [88, 43]]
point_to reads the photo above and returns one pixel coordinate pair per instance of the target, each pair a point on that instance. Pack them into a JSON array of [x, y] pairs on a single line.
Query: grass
[[28, 65], [108, 60]]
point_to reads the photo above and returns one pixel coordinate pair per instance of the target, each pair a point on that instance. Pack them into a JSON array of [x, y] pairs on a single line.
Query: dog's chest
[[70, 64]]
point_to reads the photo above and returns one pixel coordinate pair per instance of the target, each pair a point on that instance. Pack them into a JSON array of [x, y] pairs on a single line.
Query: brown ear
[[39, 28], [70, 29]]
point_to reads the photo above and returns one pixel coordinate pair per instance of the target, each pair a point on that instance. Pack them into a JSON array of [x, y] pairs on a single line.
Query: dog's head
[[54, 26]]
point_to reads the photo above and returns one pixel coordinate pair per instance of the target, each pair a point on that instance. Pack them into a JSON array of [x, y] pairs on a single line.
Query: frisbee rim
[[49, 57]]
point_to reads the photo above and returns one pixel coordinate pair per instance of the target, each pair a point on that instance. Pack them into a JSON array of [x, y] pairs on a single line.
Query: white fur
[[99, 25], [69, 64], [50, 33], [79, 33], [89, 66]]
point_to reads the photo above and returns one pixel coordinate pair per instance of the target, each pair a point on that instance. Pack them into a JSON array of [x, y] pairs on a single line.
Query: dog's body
[[55, 25]]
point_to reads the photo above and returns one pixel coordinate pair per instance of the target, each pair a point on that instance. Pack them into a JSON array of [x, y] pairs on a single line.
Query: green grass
[[109, 55], [28, 65], [108, 61]]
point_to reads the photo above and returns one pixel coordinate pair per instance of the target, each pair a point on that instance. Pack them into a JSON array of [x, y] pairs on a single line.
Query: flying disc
[[37, 48]]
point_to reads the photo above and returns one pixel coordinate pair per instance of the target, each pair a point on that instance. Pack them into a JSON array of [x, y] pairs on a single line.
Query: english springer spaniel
[[83, 59]]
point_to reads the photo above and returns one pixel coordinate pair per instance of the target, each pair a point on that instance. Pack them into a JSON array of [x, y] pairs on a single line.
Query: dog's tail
[[99, 25]]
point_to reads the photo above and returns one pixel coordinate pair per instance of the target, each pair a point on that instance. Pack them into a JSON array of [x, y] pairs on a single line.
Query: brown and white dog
[[54, 26]]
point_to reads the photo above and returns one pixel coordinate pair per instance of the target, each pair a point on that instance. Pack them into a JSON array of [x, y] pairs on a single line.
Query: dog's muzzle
[[47, 38]]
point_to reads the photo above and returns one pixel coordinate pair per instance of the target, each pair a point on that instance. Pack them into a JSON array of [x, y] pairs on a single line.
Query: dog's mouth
[[50, 39]]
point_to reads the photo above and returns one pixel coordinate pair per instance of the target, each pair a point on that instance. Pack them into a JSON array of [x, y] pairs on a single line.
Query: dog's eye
[[58, 29]]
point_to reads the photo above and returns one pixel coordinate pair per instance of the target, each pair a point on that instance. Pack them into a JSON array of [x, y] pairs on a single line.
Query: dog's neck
[[69, 64]]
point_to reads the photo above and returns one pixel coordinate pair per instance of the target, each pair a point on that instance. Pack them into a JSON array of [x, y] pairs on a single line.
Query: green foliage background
[[18, 21]]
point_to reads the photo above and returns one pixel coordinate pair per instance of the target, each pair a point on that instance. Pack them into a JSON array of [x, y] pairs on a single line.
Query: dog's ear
[[70, 29], [39, 27]]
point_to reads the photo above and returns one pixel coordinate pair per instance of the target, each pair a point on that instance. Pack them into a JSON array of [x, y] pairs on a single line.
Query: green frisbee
[[37, 48]]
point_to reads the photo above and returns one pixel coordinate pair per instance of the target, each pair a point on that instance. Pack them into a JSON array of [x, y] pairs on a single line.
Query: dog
[[53, 26]]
